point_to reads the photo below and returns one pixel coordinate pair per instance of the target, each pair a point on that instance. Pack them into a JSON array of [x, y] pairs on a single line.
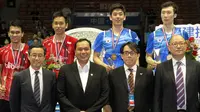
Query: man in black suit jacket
[[83, 85], [120, 100], [31, 91], [169, 97]]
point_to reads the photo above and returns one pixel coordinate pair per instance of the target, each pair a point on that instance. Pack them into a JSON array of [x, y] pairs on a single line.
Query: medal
[[113, 56]]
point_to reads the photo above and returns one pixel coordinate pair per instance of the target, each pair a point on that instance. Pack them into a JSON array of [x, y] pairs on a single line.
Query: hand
[[108, 68], [2, 90]]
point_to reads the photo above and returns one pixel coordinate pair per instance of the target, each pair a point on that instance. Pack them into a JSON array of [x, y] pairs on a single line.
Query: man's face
[[177, 46], [36, 57], [168, 15], [83, 52], [15, 33], [129, 56], [59, 25], [117, 17]]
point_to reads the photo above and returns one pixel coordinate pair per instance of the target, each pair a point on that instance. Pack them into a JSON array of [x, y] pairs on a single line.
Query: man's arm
[[0, 74], [152, 63], [15, 94], [53, 92], [157, 90], [97, 60], [104, 93], [65, 104], [150, 88], [2, 87]]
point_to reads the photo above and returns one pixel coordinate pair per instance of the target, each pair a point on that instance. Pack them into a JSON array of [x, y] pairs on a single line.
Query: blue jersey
[[104, 42], [156, 40]]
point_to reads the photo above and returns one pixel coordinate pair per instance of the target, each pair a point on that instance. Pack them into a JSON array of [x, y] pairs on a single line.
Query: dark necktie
[[130, 81], [37, 88], [180, 86], [131, 86]]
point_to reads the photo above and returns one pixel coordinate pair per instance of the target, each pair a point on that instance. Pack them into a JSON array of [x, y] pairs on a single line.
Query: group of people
[[115, 83]]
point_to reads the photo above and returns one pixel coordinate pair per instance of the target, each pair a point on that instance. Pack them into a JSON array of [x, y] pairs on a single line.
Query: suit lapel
[[188, 71], [138, 76], [91, 71], [29, 81], [44, 84], [170, 70], [122, 76], [76, 74]]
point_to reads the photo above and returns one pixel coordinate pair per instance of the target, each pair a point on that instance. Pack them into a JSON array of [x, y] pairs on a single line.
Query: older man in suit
[[177, 81], [83, 85], [131, 86], [33, 89]]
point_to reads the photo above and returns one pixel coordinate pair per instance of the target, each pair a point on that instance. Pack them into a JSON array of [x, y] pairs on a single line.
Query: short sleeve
[[185, 35], [135, 37], [98, 43], [150, 42]]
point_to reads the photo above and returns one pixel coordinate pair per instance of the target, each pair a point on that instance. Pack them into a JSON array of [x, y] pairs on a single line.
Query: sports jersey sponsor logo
[[10, 65]]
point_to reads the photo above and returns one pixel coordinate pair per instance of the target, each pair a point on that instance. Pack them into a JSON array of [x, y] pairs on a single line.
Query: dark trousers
[[4, 106]]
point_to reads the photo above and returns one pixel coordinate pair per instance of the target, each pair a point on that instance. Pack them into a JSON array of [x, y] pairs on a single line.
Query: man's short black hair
[[16, 23], [172, 4], [132, 45], [81, 40], [36, 46], [117, 6]]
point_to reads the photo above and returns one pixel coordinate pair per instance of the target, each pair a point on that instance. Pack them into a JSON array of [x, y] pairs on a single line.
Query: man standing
[[112, 39], [83, 85], [60, 47], [157, 43], [33, 89], [131, 87], [13, 58], [177, 81]]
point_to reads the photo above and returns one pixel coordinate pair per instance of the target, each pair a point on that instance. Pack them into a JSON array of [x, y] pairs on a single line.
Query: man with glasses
[[177, 81], [131, 86], [13, 58], [34, 89]]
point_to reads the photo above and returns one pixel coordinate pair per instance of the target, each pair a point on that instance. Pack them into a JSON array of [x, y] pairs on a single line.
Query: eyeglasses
[[127, 53], [175, 44]]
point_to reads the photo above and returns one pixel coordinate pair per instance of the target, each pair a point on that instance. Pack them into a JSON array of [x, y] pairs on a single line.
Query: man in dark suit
[[177, 81], [83, 85], [131, 86], [33, 89]]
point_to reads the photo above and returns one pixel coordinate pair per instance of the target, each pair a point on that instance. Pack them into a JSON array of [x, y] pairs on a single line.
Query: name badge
[[131, 100]]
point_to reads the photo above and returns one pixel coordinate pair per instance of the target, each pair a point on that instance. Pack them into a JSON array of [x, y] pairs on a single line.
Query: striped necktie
[[180, 86], [37, 88], [131, 86]]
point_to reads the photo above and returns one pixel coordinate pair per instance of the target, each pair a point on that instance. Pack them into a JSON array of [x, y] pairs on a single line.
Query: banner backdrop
[[193, 31]]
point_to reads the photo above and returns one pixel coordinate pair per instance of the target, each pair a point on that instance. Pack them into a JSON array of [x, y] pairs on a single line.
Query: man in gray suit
[[33, 89], [177, 81]]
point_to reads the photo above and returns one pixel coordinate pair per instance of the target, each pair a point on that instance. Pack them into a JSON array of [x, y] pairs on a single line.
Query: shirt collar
[[32, 71], [86, 66], [133, 67], [183, 61]]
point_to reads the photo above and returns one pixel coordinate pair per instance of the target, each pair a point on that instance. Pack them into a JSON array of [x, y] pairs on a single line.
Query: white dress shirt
[[128, 72], [83, 72], [183, 68], [32, 74]]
